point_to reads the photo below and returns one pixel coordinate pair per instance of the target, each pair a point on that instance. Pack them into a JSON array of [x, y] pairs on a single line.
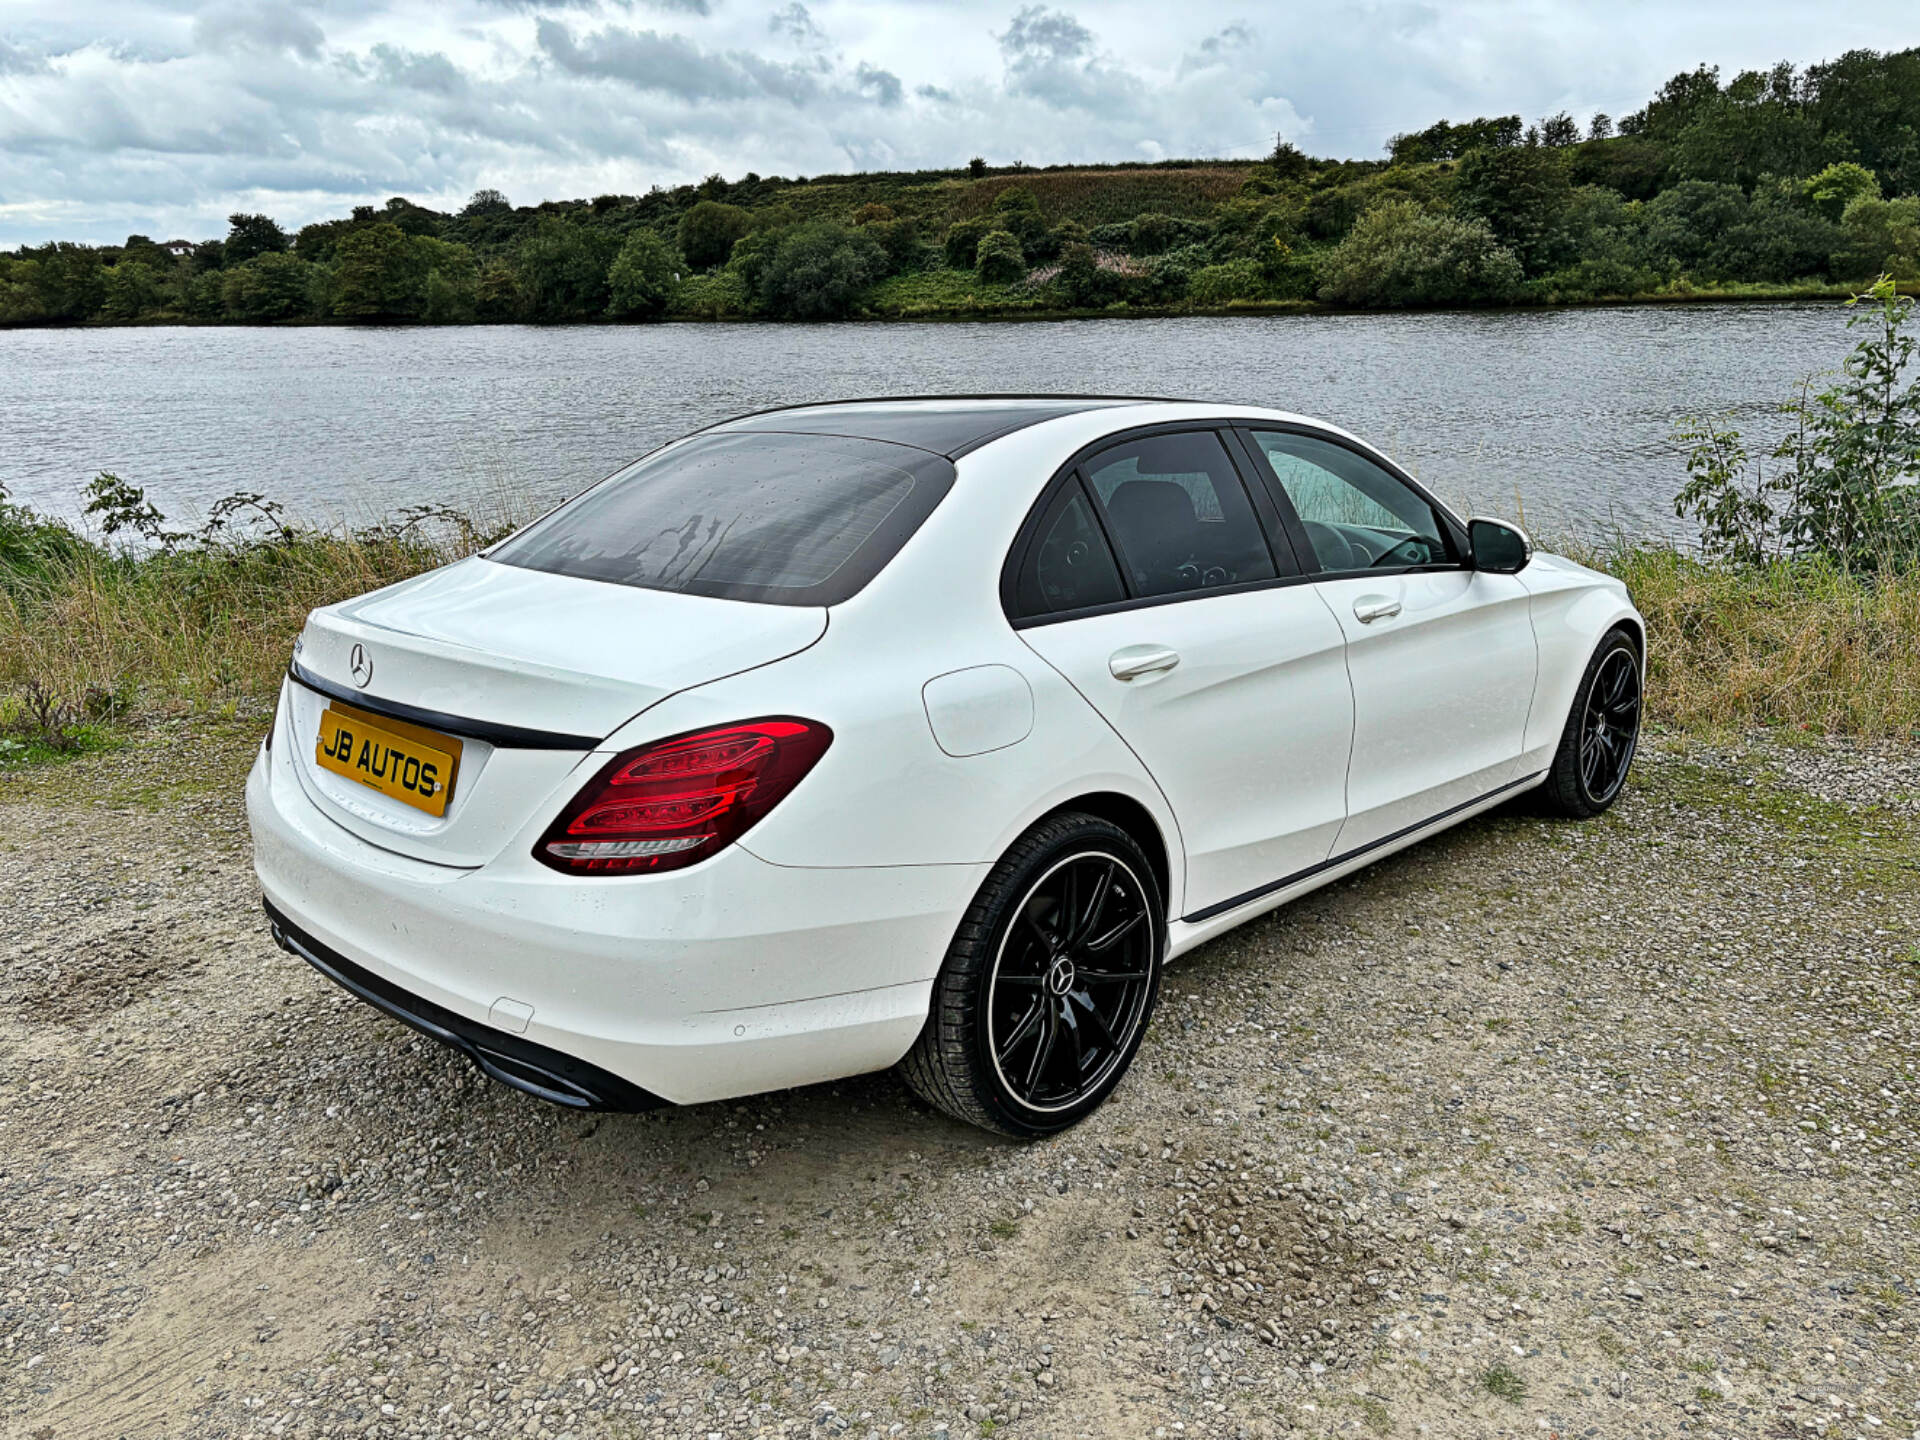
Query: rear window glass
[[781, 518]]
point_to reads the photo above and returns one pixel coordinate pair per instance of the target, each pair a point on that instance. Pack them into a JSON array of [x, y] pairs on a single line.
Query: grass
[[1503, 1382], [1809, 646], [95, 642]]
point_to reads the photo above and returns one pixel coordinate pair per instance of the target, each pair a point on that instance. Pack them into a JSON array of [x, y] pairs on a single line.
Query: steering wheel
[[1414, 550]]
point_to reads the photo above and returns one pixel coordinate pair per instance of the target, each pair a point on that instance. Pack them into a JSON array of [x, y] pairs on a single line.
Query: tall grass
[[1808, 644], [198, 631], [118, 639]]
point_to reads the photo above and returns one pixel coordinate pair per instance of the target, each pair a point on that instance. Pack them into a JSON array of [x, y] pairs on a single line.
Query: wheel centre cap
[[1060, 975]]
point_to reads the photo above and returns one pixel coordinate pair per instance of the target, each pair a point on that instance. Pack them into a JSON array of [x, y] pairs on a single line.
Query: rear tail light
[[675, 802]]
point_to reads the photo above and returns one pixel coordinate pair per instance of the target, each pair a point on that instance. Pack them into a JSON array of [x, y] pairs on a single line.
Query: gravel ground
[[1594, 1130]]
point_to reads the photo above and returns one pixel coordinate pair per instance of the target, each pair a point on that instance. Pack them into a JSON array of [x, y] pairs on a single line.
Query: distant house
[[178, 247]]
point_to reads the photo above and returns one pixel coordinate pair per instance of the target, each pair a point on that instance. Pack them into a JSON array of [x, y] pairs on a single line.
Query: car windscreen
[[772, 517]]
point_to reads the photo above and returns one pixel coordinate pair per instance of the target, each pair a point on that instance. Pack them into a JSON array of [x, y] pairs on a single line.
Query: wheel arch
[[1138, 821]]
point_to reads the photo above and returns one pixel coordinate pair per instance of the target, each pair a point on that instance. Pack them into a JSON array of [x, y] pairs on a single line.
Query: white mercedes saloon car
[[910, 732]]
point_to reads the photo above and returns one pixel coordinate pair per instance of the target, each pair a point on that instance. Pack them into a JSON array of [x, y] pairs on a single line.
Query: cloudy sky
[[161, 116]]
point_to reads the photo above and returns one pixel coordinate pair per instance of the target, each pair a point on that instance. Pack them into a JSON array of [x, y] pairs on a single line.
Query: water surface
[[1571, 411]]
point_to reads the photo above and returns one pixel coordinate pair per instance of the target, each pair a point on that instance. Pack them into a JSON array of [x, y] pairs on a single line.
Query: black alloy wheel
[[1610, 727], [1070, 981], [1602, 731], [1049, 983]]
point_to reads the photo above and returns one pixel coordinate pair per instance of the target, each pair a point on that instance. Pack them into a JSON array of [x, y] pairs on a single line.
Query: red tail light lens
[[675, 802]]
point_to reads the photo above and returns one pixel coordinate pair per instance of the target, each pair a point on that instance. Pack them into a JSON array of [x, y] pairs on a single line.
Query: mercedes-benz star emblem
[[361, 664]]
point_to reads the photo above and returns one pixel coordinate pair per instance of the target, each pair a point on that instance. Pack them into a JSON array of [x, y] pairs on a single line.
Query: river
[[1561, 417]]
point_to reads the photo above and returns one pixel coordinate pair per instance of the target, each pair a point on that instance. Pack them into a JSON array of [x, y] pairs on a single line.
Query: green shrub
[[818, 270], [452, 294], [1523, 192], [709, 231], [999, 259], [1083, 282], [130, 289], [1838, 186], [1400, 254], [1689, 221], [1845, 483], [272, 286], [1219, 285], [900, 241], [1155, 234], [717, 295], [497, 295], [379, 273], [1780, 239], [640, 282], [1882, 235], [563, 269], [962, 242]]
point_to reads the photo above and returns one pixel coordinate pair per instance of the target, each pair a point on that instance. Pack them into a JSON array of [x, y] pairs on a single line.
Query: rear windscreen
[[783, 518]]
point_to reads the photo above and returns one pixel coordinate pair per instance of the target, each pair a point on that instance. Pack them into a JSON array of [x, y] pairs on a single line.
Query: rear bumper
[[541, 1072], [729, 978]]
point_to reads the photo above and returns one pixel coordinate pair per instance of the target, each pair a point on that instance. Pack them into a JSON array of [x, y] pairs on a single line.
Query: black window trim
[[1453, 531], [1281, 543]]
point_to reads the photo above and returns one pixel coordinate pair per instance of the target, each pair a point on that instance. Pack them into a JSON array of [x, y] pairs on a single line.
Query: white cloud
[[161, 116]]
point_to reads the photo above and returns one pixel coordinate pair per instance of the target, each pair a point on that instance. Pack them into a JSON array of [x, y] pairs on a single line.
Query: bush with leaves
[[1689, 221], [999, 259], [817, 271], [1882, 236], [274, 285], [1017, 211], [709, 231], [452, 295], [1845, 483], [1215, 286], [1781, 239], [563, 269], [252, 235], [641, 280], [1523, 193], [900, 241], [131, 289], [1838, 186], [379, 273], [962, 243], [1400, 254], [1084, 283]]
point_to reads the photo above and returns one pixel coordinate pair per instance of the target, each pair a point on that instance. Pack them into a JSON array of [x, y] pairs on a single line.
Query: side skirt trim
[[1261, 891]]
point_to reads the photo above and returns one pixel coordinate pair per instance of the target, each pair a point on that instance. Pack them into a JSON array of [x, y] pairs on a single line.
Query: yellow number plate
[[412, 765]]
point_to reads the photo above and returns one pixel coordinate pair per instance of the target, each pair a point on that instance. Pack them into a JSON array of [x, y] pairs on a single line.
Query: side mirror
[[1498, 548]]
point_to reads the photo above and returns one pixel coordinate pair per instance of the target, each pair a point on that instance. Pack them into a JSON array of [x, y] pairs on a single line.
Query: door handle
[[1138, 660], [1369, 608]]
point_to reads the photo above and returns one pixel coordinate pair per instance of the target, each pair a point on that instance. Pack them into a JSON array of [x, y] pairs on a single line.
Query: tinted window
[[791, 519], [1069, 565], [1179, 514], [1357, 515]]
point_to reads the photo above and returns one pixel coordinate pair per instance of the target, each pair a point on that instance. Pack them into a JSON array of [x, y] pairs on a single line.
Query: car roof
[[948, 425]]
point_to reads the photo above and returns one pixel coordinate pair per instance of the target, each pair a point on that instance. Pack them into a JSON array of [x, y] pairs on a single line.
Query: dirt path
[[1604, 1130]]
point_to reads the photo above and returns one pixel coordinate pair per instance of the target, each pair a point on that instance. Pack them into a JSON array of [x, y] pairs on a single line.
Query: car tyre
[[1603, 730], [1048, 985]]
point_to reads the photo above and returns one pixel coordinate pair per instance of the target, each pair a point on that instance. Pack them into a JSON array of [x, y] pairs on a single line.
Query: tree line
[[1776, 178]]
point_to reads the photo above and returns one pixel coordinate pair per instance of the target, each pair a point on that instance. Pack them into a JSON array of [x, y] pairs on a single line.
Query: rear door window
[[778, 518], [1179, 514]]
